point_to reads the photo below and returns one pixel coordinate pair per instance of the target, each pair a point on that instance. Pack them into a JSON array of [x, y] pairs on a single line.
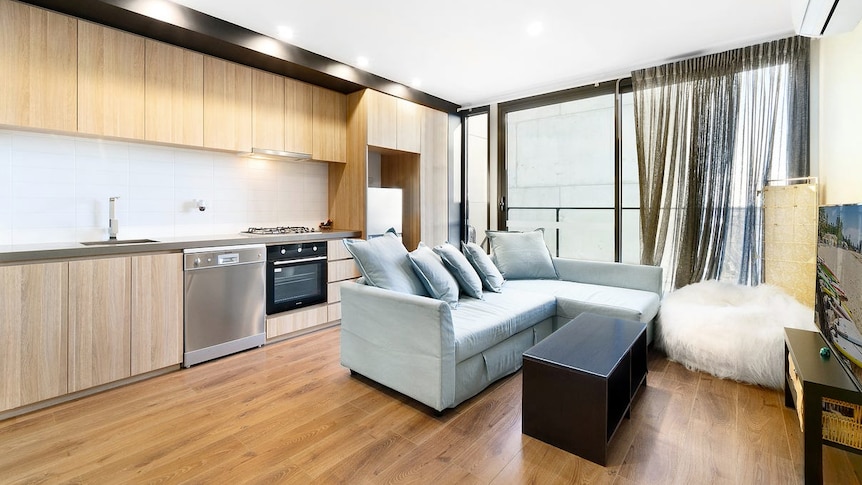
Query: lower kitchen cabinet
[[341, 269], [296, 321], [157, 312], [73, 325], [33, 333], [99, 321]]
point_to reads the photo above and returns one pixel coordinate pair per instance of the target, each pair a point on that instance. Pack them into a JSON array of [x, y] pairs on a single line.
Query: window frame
[[617, 88]]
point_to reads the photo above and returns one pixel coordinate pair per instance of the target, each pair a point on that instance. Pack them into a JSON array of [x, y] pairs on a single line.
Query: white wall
[[837, 125], [55, 189]]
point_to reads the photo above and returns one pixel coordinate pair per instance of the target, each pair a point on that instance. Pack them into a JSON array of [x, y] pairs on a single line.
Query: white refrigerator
[[384, 211]]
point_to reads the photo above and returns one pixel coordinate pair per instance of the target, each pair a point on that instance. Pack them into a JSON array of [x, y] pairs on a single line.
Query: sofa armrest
[[402, 341], [620, 275]]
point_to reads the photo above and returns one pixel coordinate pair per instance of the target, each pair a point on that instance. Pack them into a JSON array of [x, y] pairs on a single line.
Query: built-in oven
[[295, 276]]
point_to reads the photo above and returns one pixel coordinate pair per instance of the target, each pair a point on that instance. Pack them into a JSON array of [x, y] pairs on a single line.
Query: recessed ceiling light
[[535, 28], [416, 82], [362, 61], [285, 33]]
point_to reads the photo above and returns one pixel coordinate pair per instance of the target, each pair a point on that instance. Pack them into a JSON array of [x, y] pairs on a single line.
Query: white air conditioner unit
[[816, 18]]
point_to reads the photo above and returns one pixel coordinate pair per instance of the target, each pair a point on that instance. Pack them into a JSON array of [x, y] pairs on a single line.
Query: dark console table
[[815, 378], [580, 381]]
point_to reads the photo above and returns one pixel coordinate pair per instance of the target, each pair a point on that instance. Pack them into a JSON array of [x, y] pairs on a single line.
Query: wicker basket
[[842, 422]]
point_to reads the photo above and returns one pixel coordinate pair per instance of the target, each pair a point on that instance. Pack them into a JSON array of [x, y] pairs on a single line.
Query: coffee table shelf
[[580, 381]]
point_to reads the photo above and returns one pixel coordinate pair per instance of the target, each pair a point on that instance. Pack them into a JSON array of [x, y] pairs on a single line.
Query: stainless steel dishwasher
[[224, 310]]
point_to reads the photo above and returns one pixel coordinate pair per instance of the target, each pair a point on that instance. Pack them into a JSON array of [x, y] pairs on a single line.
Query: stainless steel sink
[[117, 242]]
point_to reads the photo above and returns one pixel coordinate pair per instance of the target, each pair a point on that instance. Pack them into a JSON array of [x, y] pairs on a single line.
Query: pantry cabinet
[[38, 58], [227, 105], [329, 128], [99, 321], [33, 333], [434, 176], [110, 82], [174, 95]]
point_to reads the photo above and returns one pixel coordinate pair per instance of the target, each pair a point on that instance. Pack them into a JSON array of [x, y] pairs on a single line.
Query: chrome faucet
[[113, 223]]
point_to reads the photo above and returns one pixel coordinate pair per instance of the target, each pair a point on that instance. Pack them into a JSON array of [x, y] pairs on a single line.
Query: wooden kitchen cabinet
[[174, 98], [99, 321], [38, 61], [110, 82], [382, 119], [329, 130], [434, 176], [267, 111], [341, 269], [298, 116], [33, 333], [227, 105], [409, 131], [393, 123], [156, 312]]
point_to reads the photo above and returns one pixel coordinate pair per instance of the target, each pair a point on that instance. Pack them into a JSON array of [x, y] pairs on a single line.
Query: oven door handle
[[294, 261]]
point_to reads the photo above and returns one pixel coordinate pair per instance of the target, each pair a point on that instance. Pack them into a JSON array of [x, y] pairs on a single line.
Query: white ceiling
[[472, 52]]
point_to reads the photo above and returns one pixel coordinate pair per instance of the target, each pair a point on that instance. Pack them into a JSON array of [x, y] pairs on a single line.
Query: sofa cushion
[[461, 269], [575, 298], [521, 255], [480, 324], [434, 276], [383, 263], [489, 274]]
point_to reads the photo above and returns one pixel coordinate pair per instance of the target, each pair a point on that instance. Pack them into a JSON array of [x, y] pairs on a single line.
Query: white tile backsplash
[[55, 188]]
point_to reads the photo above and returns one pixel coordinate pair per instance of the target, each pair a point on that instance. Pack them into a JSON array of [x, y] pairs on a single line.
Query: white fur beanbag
[[731, 331]]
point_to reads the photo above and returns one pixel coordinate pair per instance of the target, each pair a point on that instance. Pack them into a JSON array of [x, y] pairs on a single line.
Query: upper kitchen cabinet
[[329, 130], [393, 123], [298, 116], [33, 333], [174, 96], [409, 126], [38, 57], [110, 82], [268, 111], [227, 105], [382, 114]]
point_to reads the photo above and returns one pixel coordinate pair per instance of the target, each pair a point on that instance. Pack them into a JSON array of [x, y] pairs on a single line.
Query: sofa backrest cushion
[[383, 263], [521, 255], [461, 269], [491, 278], [434, 276]]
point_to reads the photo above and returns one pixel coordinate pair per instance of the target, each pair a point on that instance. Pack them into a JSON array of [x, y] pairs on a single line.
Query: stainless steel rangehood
[[268, 154]]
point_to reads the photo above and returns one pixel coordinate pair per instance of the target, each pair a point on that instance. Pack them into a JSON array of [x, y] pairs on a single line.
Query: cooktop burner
[[278, 230]]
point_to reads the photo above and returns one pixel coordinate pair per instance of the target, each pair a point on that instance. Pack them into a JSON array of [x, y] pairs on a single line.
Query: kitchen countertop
[[18, 253]]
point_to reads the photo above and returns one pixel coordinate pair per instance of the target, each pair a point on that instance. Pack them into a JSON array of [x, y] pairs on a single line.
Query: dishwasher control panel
[[199, 258]]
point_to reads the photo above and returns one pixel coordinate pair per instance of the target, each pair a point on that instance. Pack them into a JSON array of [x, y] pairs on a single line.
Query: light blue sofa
[[440, 356]]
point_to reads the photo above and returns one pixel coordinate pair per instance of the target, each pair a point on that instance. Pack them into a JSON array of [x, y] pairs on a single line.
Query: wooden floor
[[289, 413]]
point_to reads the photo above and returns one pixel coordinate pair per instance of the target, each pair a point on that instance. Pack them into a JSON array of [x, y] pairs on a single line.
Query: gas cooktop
[[278, 230]]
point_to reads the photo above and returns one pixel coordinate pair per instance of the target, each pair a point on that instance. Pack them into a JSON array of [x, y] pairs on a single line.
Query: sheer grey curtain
[[710, 132]]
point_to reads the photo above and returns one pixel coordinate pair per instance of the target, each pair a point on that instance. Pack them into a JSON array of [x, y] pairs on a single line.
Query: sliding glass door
[[570, 167]]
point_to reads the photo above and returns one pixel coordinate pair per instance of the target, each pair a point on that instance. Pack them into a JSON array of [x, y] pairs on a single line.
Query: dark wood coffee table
[[580, 381]]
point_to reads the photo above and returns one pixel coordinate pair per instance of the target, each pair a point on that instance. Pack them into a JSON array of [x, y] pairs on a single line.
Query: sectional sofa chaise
[[441, 349]]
